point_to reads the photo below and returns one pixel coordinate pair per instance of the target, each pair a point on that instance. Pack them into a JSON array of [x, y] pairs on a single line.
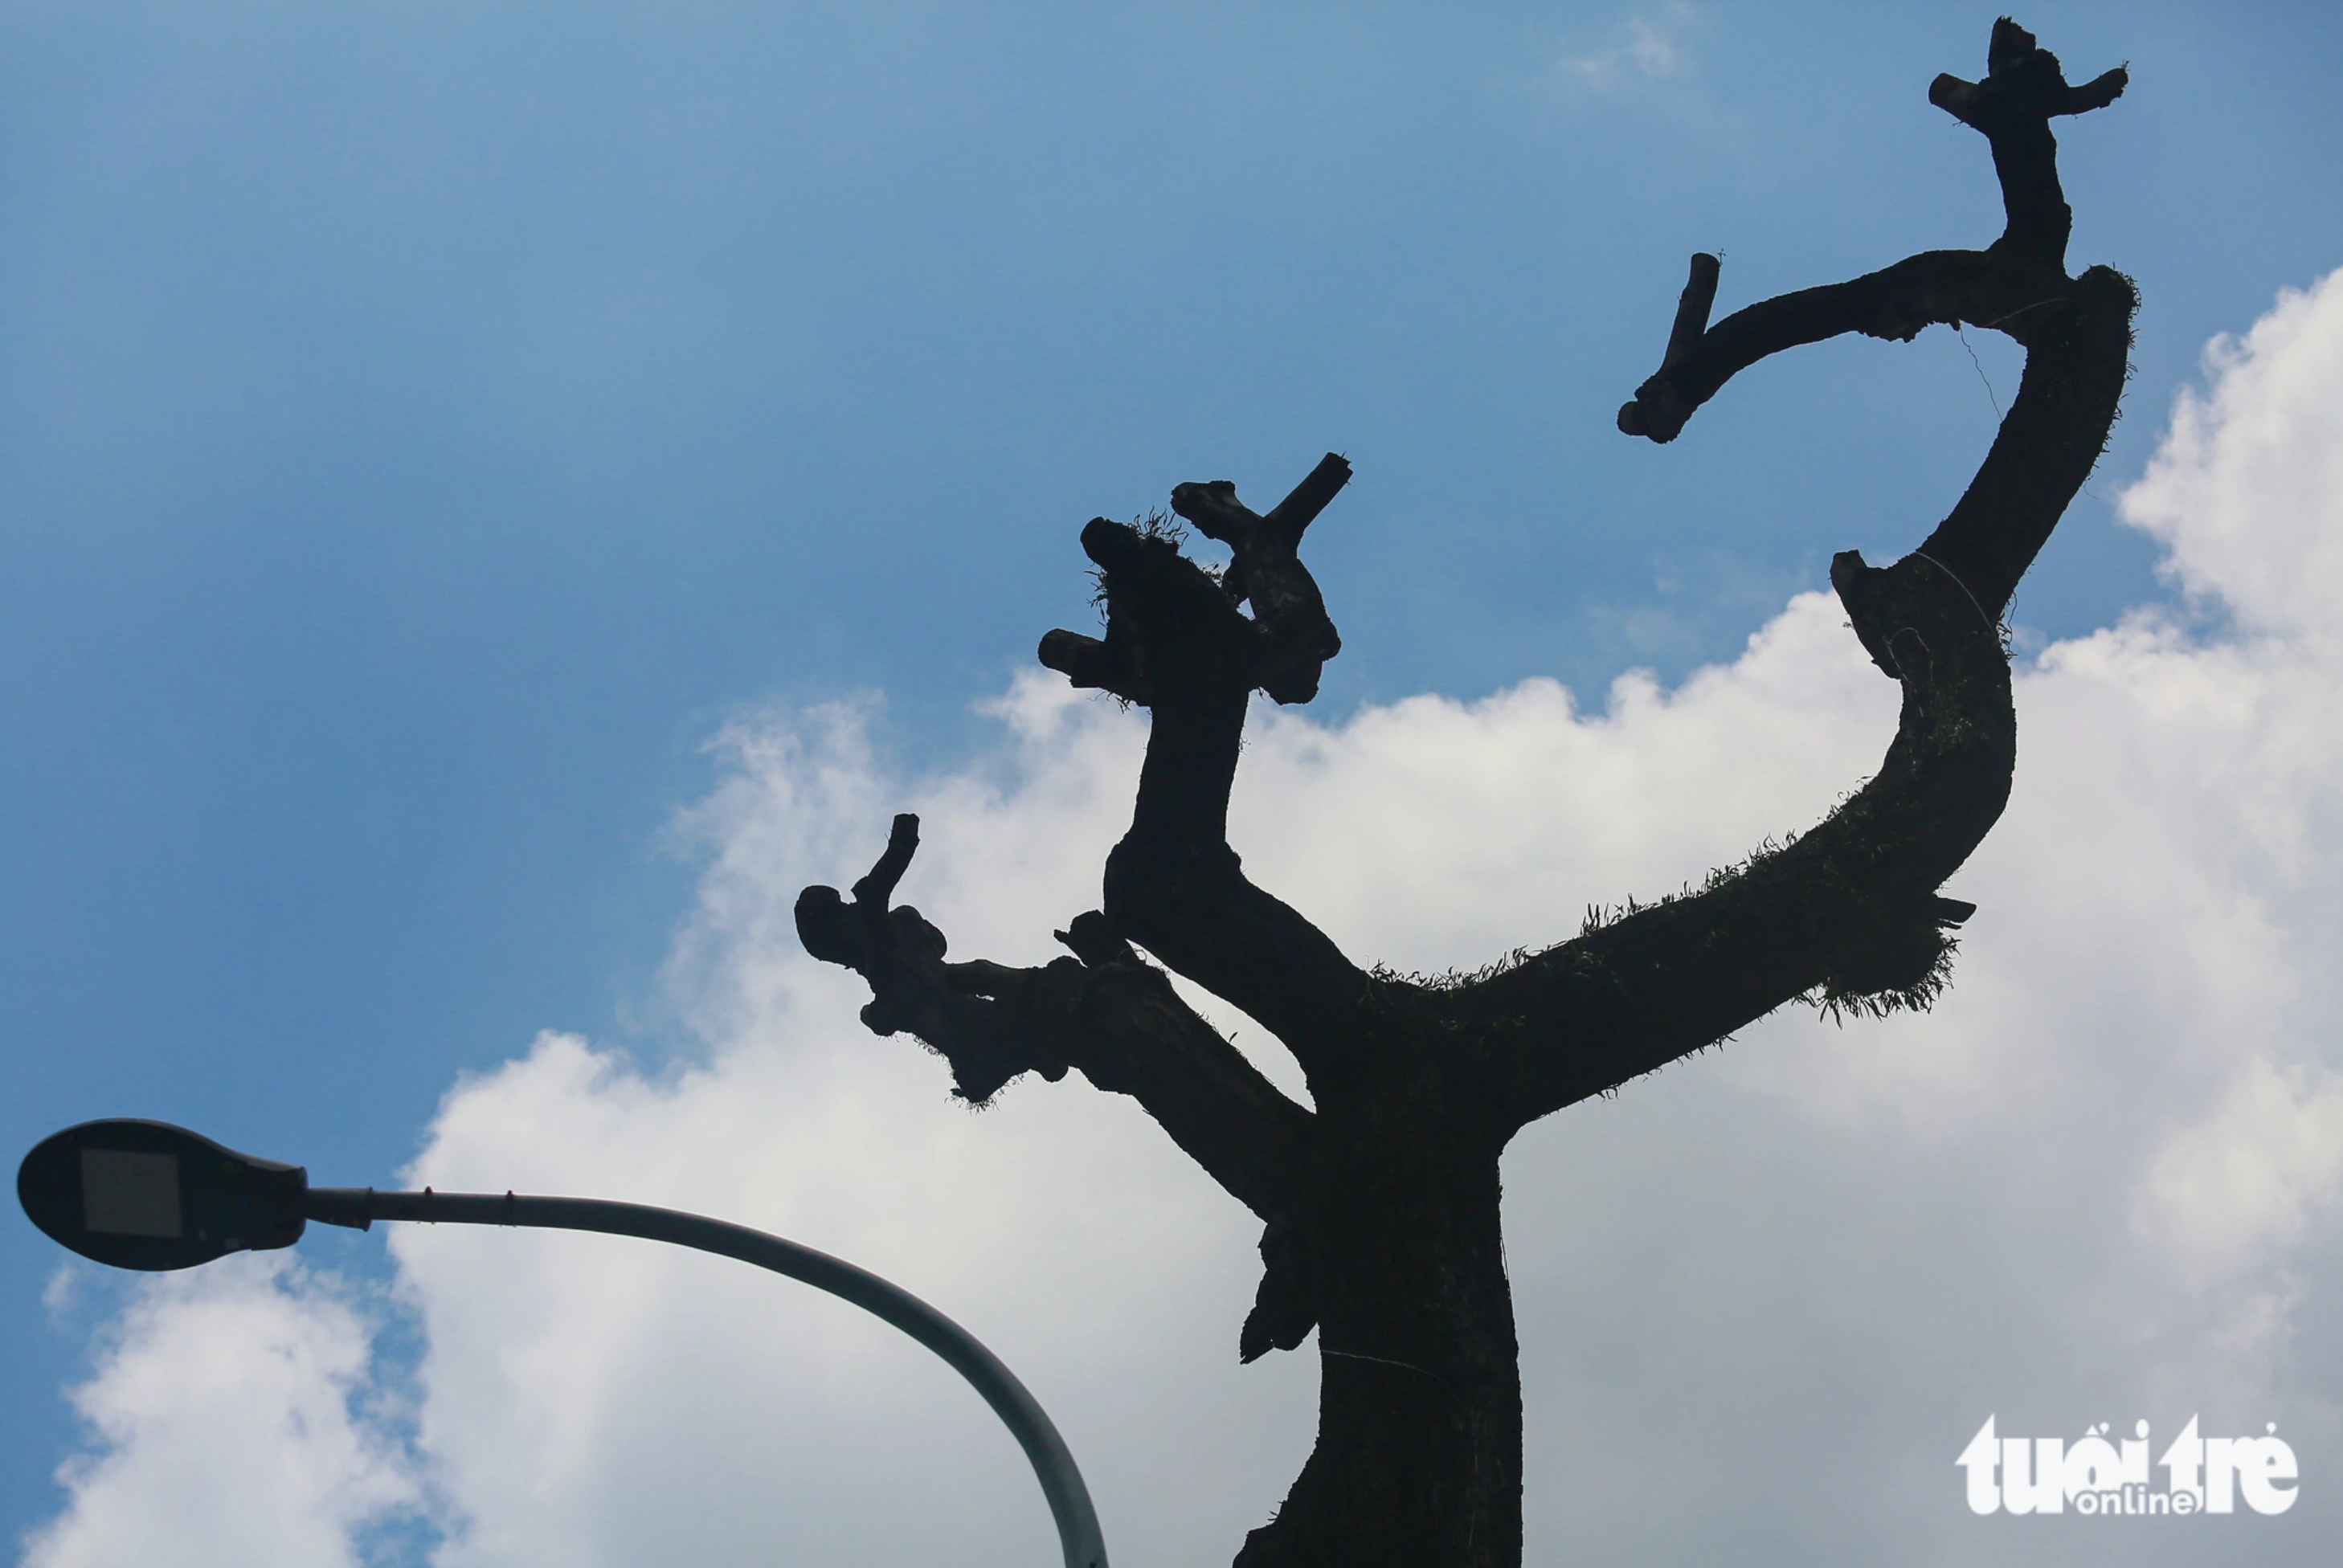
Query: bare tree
[[1380, 1202]]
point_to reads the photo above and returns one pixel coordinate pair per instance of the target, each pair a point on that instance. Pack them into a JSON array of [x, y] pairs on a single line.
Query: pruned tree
[[1379, 1202]]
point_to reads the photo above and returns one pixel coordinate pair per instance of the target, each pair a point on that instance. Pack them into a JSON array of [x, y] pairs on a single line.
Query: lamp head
[[148, 1195]]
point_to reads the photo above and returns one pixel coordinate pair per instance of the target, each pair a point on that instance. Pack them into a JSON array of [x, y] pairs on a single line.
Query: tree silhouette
[[1380, 1202]]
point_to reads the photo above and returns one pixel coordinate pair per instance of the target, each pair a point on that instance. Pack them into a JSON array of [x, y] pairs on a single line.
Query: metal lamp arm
[[1062, 1484]]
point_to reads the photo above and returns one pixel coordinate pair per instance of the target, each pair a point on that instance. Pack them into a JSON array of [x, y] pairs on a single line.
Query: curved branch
[[1850, 913], [2077, 333], [2005, 286], [1979, 288], [2078, 355]]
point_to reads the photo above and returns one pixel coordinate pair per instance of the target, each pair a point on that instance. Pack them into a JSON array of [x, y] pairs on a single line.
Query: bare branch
[[1197, 912], [1296, 639], [1850, 914], [2025, 88], [2077, 333], [2009, 287], [1103, 1012], [1693, 305], [1180, 643], [1170, 627], [2076, 358]]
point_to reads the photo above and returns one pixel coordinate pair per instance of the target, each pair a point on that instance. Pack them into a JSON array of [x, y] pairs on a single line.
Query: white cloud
[[1766, 1296], [1648, 46], [224, 1411], [2248, 1177], [2246, 489]]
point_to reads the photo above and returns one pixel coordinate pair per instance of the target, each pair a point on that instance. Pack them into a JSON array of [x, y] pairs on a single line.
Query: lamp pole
[[151, 1196]]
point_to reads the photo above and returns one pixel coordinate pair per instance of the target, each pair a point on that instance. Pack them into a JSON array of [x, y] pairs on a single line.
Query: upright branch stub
[[1295, 637], [955, 1008], [891, 948], [1170, 627], [1693, 305]]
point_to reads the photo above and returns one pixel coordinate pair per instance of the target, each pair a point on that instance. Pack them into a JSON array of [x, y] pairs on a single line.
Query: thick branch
[[1195, 909], [1169, 629], [2076, 358], [1178, 641], [1981, 289], [1850, 913], [1103, 1012]]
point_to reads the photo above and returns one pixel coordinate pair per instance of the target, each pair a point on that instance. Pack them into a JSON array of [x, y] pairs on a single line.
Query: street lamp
[[148, 1195]]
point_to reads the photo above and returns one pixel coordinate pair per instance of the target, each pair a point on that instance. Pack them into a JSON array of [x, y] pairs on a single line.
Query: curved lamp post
[[148, 1195]]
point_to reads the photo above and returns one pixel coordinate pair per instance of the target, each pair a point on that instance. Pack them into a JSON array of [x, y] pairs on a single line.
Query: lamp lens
[[125, 1192]]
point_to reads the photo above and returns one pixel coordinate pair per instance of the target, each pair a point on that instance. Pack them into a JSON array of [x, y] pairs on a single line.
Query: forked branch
[[1102, 1011], [2023, 90], [1173, 630], [1179, 642]]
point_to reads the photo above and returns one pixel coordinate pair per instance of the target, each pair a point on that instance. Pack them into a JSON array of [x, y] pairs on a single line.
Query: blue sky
[[423, 429]]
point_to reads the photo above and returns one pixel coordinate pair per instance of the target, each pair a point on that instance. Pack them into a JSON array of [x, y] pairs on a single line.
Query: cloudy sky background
[[501, 498]]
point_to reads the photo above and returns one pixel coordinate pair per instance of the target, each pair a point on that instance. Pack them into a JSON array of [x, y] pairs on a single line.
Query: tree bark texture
[[1380, 1201]]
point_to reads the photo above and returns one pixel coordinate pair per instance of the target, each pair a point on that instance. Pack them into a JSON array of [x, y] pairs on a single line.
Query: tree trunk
[[1419, 1455]]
